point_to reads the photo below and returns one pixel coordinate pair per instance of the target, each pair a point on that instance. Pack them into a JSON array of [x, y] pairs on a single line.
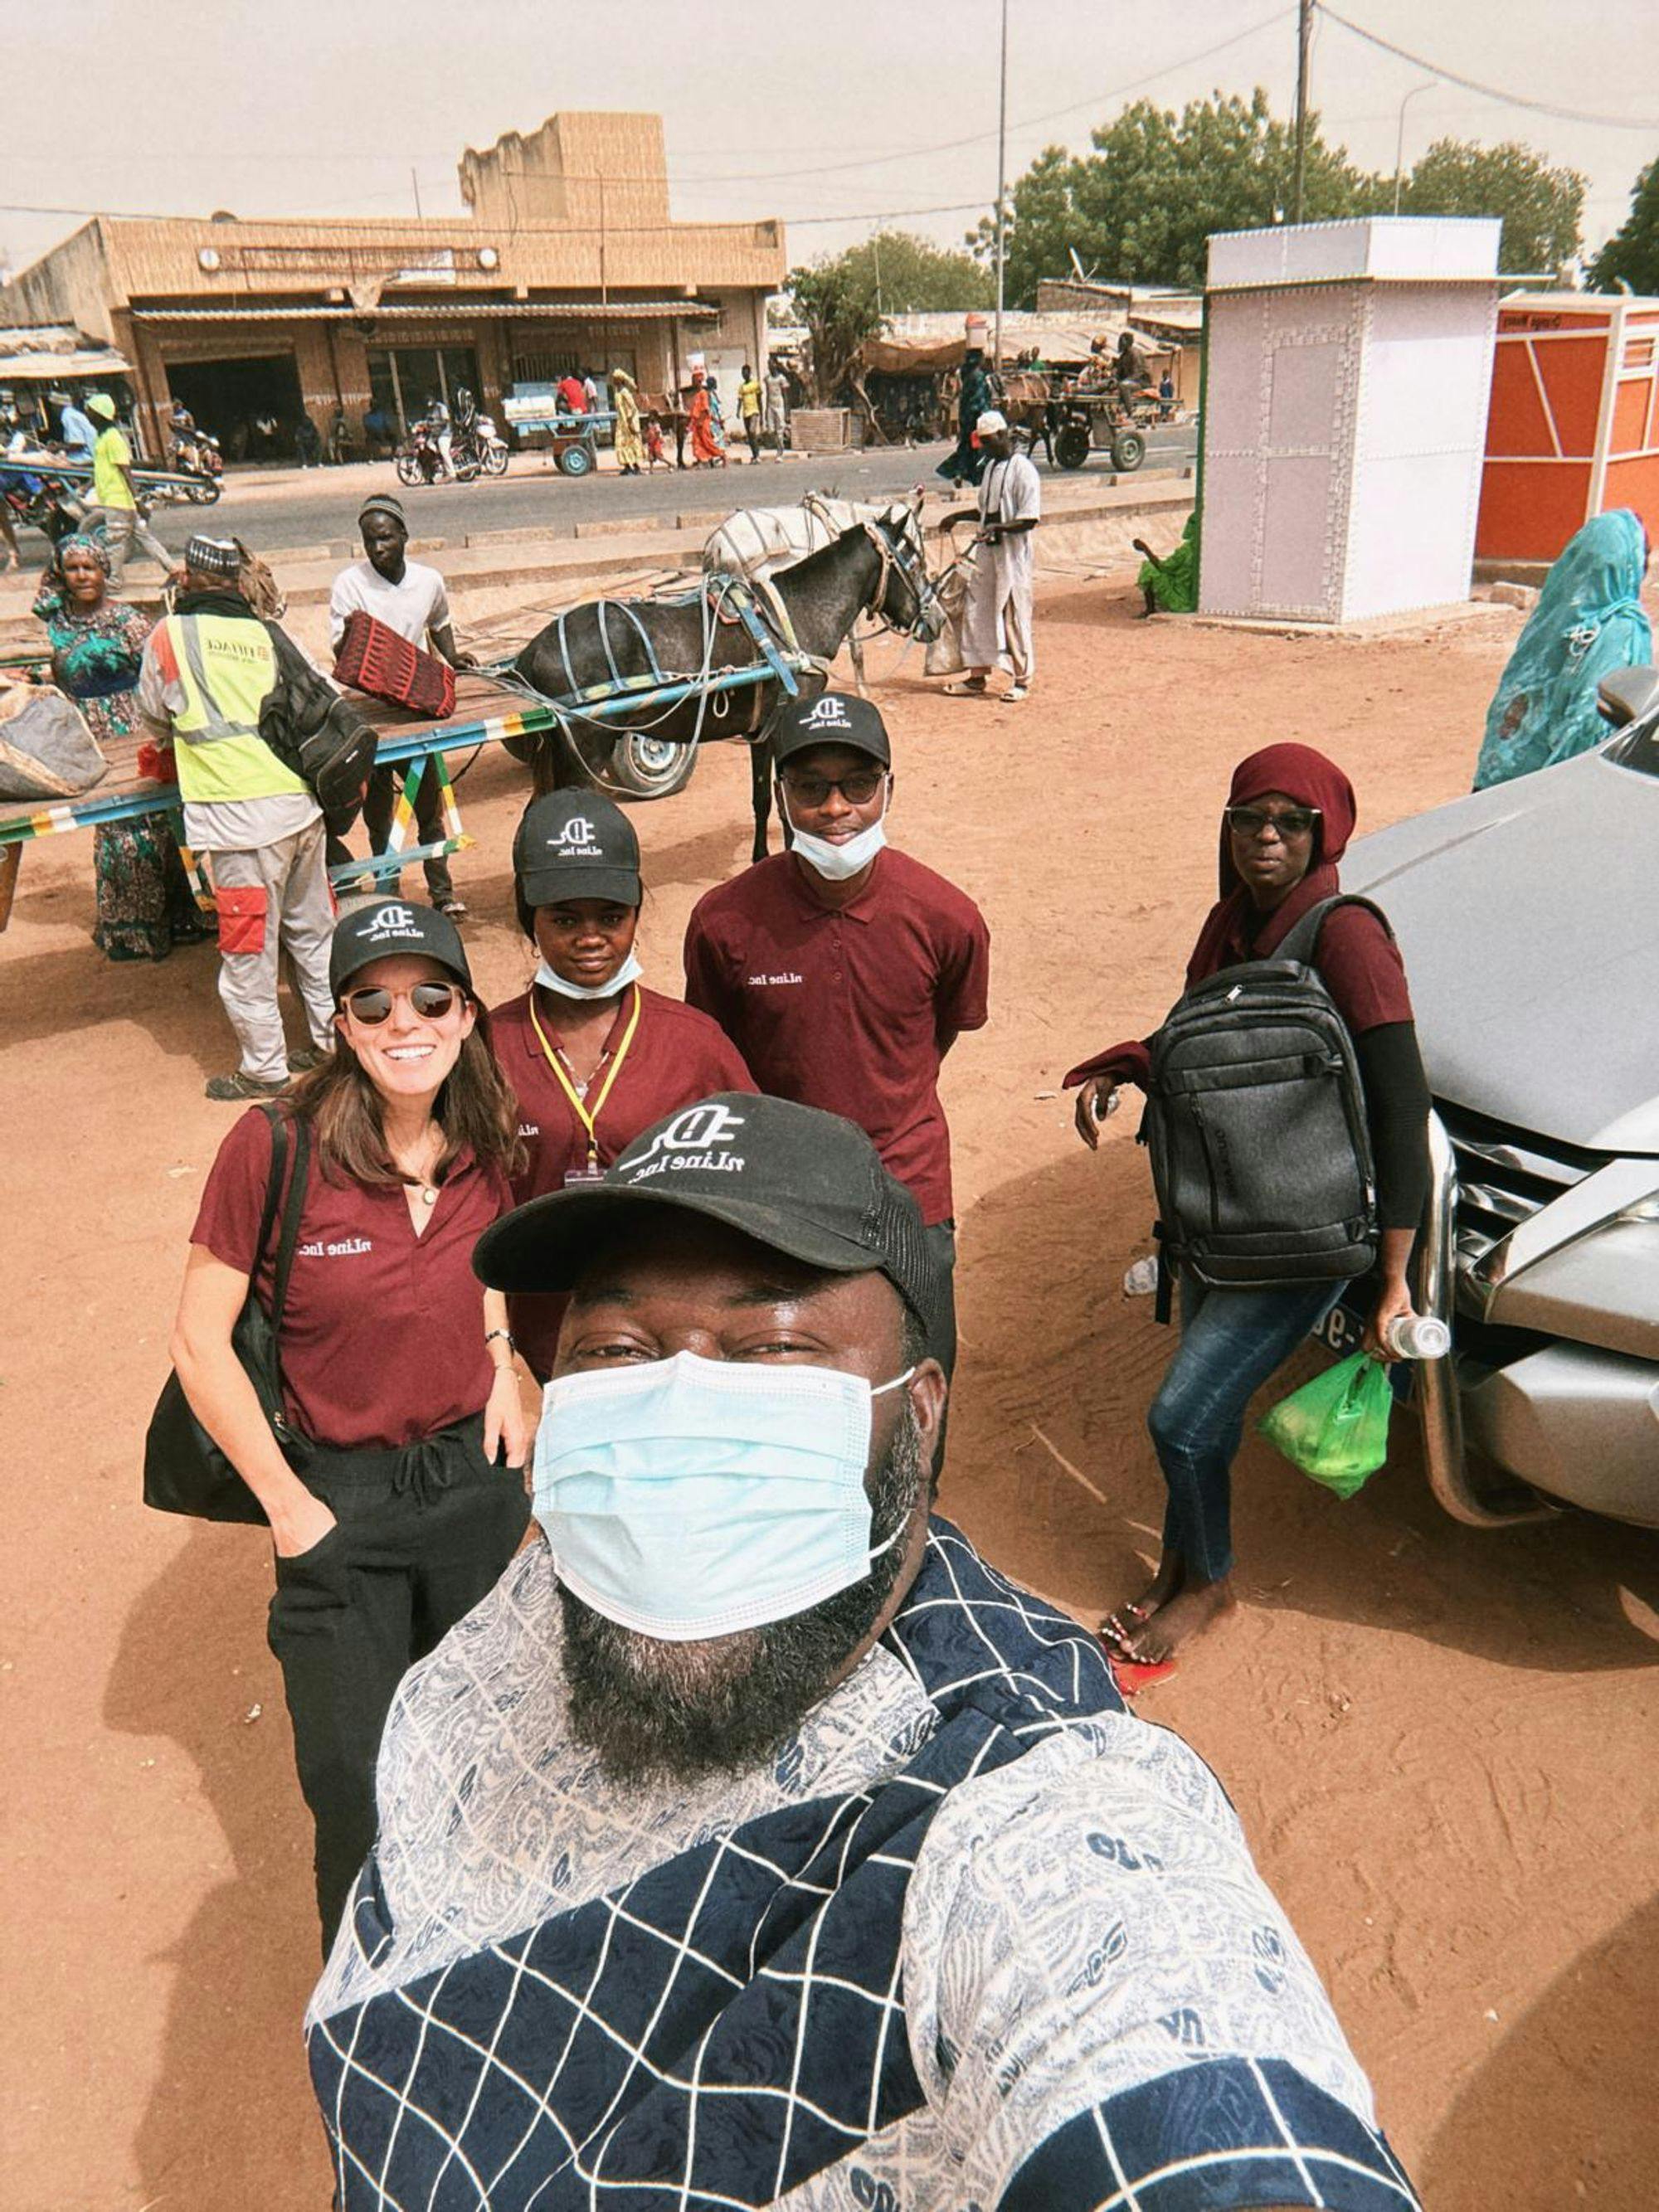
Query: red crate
[[372, 658]]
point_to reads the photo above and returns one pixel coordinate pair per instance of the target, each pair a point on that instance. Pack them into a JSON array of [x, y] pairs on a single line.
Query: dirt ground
[[1440, 1742]]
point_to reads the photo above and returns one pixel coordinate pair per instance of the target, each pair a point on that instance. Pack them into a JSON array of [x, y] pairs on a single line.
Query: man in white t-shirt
[[408, 598], [996, 623]]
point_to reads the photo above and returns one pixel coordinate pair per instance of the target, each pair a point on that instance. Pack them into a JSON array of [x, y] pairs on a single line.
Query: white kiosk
[[1346, 384]]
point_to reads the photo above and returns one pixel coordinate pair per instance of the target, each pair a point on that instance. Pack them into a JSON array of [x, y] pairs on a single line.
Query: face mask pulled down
[[692, 1497], [838, 863], [629, 972]]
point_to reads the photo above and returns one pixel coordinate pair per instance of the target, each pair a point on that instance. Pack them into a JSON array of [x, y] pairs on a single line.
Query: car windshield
[[1638, 747]]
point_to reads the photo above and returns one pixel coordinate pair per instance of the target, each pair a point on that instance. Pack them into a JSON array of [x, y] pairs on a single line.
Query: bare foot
[[1187, 1615], [1121, 1628]]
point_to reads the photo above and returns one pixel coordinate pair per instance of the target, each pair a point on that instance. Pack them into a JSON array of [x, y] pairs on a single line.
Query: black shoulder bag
[[184, 1471]]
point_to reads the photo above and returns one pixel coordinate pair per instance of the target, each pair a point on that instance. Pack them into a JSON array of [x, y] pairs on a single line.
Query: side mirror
[[1625, 695]]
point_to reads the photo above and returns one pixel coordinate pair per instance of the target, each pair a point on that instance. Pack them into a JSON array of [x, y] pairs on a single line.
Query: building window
[[403, 381]]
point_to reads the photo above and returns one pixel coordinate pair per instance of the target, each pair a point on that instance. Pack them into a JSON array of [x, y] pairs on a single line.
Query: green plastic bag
[[1336, 1427]]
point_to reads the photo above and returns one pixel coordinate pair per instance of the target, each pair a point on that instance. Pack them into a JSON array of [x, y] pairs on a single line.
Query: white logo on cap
[[701, 1137], [579, 830], [828, 713], [392, 922]]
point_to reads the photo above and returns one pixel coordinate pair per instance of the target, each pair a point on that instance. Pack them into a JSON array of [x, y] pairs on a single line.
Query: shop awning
[[517, 311], [22, 363]]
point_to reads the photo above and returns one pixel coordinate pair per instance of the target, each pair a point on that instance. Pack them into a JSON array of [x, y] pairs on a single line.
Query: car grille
[[1504, 1176]]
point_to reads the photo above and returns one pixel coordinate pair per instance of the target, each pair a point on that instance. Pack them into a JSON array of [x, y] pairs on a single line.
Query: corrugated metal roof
[[30, 365], [617, 311]]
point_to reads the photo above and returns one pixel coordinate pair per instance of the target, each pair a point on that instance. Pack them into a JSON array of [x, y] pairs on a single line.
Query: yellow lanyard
[[578, 1105]]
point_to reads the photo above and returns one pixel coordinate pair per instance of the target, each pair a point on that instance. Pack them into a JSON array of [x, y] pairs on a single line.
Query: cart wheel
[[1071, 446], [642, 766], [409, 469], [576, 461], [1129, 450]]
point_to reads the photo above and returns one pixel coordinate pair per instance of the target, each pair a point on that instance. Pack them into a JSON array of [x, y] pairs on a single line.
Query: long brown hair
[[475, 1108]]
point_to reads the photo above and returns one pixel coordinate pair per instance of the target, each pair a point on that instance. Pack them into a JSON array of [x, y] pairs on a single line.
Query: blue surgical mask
[[629, 972], [693, 1497]]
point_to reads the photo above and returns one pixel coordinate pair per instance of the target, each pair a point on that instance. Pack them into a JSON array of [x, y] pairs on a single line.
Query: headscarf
[[79, 541], [621, 376], [1587, 621], [1230, 932]]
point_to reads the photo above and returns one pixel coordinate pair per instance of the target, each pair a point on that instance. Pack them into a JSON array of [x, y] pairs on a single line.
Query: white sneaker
[[1015, 693]]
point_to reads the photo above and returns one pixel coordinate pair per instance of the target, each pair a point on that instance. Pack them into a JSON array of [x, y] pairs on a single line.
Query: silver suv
[[1529, 918]]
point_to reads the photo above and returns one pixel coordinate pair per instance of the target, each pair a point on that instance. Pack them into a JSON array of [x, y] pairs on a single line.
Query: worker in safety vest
[[207, 671]]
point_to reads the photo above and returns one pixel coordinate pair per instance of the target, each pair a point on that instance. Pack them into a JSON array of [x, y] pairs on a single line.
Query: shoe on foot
[[228, 1088], [1015, 693], [453, 907], [969, 687], [302, 1063]]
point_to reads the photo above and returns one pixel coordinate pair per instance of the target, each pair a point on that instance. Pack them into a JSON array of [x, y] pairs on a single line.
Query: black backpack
[[318, 734], [1255, 1119]]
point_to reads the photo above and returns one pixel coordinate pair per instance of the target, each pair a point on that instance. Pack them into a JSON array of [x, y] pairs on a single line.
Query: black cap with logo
[[386, 928], [575, 845], [835, 718], [796, 1180]]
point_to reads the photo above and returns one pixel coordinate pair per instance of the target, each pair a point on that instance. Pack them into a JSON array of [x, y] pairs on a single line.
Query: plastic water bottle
[[1141, 1279], [1419, 1336]]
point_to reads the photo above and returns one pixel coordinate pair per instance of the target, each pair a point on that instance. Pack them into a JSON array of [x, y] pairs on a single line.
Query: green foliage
[[844, 299], [1541, 208], [1141, 205], [1630, 256]]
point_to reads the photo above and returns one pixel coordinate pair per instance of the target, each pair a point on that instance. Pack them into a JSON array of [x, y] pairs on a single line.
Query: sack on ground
[[943, 656], [46, 750], [1336, 1427]]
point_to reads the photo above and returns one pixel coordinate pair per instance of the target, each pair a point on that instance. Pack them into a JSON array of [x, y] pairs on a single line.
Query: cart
[[573, 440], [1084, 417]]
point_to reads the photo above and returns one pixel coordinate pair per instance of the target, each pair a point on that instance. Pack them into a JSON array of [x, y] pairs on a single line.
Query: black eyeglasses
[[431, 1001], [857, 789], [1250, 821]]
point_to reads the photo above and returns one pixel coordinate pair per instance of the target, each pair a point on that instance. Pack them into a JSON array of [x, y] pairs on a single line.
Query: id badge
[[576, 1177]]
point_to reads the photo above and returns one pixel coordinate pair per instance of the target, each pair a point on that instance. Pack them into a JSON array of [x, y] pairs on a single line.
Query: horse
[[601, 648], [759, 540]]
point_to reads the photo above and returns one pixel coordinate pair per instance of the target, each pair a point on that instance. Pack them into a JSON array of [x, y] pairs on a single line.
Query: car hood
[[1528, 919]]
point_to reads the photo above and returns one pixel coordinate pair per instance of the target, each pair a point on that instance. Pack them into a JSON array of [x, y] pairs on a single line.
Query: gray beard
[[680, 1711]]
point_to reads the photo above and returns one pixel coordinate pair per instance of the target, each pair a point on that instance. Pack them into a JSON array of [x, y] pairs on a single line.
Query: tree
[[1142, 204], [1540, 208], [846, 298], [1630, 256]]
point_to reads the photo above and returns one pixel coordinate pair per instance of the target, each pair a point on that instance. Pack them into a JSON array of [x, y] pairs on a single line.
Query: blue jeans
[[1230, 1342]]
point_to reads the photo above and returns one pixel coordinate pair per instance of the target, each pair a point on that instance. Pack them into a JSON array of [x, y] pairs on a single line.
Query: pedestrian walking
[[748, 409], [629, 449], [115, 509], [976, 396], [998, 619], [208, 668], [1289, 815], [410, 598], [705, 450], [393, 1517], [777, 410], [593, 1054], [844, 971]]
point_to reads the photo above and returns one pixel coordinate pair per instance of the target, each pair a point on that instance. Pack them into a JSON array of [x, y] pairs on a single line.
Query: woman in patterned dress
[[145, 905]]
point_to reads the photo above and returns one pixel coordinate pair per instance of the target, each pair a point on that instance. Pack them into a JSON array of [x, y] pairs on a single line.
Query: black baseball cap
[[834, 718], [386, 927], [575, 845], [797, 1180]]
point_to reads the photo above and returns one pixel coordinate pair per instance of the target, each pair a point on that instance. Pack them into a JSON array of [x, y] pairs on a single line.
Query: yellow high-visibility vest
[[225, 667]]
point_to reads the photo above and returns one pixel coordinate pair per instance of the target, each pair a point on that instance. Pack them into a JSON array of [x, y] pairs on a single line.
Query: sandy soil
[[1435, 1737]]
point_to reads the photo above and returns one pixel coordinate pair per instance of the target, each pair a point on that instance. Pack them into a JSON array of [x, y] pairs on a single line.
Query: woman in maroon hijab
[[1289, 817]]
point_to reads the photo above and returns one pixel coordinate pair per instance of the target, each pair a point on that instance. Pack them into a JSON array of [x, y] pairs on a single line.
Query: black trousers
[[381, 804], [422, 1534]]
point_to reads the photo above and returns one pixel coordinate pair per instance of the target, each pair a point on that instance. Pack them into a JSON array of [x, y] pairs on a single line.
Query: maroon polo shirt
[[851, 1009], [677, 1057], [382, 1341]]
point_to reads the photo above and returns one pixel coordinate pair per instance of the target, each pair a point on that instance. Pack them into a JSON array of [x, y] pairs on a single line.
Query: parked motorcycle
[[197, 456], [420, 461], [485, 444], [45, 503]]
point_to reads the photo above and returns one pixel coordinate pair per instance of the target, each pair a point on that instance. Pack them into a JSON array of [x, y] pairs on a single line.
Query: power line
[[1488, 91]]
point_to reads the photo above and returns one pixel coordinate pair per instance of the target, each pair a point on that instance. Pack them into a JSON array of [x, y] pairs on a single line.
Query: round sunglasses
[[371, 1006]]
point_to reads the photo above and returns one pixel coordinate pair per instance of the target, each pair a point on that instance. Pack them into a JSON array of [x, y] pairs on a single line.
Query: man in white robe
[[996, 623]]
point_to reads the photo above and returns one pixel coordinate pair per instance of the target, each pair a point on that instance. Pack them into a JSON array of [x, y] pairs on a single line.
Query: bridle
[[912, 566]]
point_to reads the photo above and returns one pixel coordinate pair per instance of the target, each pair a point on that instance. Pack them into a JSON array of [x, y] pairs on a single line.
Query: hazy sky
[[825, 115]]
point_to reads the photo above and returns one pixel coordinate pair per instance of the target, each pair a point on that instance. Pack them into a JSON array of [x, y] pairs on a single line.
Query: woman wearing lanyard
[[593, 1056], [397, 1370]]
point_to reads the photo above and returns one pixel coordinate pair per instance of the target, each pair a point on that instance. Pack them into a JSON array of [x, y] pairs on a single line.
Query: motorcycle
[[419, 460], [481, 441], [45, 503], [195, 456]]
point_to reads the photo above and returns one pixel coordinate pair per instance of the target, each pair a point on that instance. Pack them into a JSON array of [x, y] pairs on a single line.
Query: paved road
[[288, 509]]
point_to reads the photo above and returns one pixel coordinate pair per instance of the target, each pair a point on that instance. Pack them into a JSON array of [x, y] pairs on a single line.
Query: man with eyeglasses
[[844, 971]]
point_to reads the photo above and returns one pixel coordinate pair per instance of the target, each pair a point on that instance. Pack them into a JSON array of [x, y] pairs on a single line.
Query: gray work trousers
[[297, 916], [122, 526]]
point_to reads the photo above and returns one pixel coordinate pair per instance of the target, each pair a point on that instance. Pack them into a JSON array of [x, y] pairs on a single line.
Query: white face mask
[[835, 863], [629, 972]]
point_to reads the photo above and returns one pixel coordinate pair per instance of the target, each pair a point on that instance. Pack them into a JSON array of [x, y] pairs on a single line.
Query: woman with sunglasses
[[396, 1515], [1288, 819], [592, 1055]]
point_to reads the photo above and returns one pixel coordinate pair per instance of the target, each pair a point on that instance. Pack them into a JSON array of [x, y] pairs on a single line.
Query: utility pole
[[1303, 40], [1002, 176]]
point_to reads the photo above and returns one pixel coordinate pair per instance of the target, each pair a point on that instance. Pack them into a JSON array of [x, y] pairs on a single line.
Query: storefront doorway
[[252, 407]]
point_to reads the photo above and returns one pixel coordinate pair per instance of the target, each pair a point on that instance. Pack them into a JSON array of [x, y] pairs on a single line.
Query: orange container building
[[1574, 424]]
